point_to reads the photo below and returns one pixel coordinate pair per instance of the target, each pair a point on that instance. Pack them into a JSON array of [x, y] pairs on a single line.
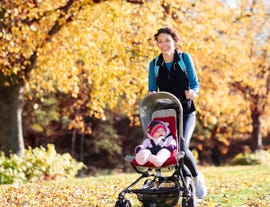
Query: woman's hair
[[169, 31]]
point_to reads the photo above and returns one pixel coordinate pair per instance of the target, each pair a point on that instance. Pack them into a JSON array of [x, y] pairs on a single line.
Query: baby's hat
[[153, 126]]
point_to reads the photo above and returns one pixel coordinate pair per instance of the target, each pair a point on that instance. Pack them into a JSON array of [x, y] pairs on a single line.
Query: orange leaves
[[113, 42], [227, 186], [115, 46]]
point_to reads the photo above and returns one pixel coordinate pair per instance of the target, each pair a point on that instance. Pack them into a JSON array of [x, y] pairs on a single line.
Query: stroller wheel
[[125, 203], [189, 198], [118, 204]]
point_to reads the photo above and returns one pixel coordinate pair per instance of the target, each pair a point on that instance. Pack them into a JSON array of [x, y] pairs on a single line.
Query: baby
[[157, 146]]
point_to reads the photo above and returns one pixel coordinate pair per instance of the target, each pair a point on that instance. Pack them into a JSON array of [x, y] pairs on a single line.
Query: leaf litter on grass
[[243, 186], [238, 186]]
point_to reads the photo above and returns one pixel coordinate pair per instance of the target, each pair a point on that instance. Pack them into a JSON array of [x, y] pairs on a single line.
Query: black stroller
[[157, 190]]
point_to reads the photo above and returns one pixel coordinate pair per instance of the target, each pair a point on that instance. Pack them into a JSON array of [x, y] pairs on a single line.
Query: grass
[[237, 186]]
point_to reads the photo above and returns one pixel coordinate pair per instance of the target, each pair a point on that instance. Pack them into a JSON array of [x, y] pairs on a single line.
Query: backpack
[[181, 63]]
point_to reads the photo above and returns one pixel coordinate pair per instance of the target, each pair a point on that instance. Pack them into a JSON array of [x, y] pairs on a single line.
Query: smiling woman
[[173, 71], [166, 40]]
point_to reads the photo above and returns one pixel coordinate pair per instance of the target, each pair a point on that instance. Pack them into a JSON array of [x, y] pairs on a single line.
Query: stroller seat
[[170, 116]]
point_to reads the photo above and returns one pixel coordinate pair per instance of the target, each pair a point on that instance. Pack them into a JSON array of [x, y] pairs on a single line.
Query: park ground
[[228, 186]]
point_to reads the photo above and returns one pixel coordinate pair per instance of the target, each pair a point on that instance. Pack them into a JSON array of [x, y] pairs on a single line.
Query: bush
[[38, 164], [247, 159], [11, 169]]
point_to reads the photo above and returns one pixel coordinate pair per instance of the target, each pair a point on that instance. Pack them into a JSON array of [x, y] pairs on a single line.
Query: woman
[[183, 83]]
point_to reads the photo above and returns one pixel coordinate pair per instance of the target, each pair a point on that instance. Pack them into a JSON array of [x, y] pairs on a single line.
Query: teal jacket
[[191, 74]]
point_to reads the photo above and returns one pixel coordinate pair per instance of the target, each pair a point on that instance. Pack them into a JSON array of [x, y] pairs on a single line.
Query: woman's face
[[166, 43]]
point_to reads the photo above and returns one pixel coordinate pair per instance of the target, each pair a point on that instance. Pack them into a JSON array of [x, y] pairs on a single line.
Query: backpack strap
[[181, 63], [156, 66]]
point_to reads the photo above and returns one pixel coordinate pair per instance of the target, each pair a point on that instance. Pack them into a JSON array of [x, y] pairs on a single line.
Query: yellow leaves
[[115, 46], [227, 187], [6, 84]]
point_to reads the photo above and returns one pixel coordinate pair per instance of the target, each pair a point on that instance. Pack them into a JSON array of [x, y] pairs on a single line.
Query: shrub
[[10, 169], [247, 159], [38, 164]]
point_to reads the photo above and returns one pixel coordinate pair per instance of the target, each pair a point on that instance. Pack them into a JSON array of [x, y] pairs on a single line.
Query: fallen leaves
[[245, 186]]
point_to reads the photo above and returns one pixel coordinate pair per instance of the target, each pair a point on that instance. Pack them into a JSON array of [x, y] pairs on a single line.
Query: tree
[[253, 82], [55, 44], [233, 53], [26, 28], [30, 35]]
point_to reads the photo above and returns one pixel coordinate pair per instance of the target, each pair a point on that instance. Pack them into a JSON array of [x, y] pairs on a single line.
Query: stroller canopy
[[157, 101]]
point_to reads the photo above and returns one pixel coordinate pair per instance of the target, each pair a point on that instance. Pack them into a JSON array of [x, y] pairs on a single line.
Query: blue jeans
[[189, 121]]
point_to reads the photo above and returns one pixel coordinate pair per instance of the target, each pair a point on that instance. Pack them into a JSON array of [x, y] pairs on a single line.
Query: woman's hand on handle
[[190, 94]]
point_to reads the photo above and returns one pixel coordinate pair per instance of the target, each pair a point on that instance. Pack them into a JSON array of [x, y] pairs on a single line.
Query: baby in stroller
[[157, 146], [160, 157]]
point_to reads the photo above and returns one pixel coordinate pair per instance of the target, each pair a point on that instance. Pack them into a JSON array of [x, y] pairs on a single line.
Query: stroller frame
[[154, 192]]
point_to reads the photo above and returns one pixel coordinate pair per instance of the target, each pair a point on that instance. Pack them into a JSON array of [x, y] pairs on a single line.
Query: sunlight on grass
[[237, 186]]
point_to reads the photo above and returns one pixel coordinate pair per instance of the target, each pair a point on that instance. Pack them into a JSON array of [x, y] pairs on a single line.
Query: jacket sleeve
[[191, 73], [152, 83], [170, 141], [170, 144], [146, 143]]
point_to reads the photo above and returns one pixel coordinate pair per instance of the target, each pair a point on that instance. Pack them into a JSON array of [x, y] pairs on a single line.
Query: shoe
[[129, 158], [201, 189]]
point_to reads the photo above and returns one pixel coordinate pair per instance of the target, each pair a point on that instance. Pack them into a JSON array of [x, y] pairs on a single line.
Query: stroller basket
[[163, 197], [154, 194]]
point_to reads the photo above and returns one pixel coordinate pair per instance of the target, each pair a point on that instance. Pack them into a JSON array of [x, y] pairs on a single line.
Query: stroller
[[156, 189]]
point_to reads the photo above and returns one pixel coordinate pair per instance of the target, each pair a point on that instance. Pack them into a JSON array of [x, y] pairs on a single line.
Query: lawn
[[239, 186]]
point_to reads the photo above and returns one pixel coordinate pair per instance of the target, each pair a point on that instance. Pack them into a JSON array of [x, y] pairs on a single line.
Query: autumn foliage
[[76, 64]]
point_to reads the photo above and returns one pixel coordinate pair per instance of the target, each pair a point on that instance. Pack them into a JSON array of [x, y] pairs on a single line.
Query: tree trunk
[[82, 148], [73, 143], [256, 140], [11, 135]]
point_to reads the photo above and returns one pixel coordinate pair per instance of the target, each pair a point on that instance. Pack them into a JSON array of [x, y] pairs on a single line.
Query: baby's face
[[159, 133]]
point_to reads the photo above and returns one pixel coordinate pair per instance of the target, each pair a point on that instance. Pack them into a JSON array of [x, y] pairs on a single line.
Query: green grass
[[237, 186]]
